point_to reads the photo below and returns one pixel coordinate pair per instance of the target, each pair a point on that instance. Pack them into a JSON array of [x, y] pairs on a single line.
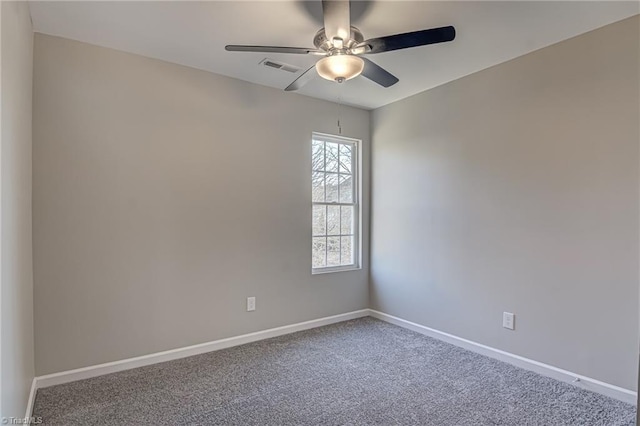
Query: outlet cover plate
[[509, 320], [251, 304]]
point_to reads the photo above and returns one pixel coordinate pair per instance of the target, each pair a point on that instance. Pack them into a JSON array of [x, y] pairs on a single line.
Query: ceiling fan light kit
[[342, 44], [340, 67]]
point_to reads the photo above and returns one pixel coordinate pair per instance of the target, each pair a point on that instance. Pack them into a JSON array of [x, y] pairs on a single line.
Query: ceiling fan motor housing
[[322, 43]]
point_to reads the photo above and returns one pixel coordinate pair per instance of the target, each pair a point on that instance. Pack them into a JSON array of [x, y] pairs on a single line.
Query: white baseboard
[[583, 382], [141, 361], [32, 397]]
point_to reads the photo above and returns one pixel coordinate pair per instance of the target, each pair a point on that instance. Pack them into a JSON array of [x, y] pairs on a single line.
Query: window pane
[[332, 187], [333, 251], [319, 220], [345, 158], [333, 220], [346, 188], [346, 252], [317, 189], [317, 155], [346, 227], [319, 252], [331, 151]]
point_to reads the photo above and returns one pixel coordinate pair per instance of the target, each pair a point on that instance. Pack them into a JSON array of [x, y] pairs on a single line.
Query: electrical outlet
[[509, 320], [251, 304]]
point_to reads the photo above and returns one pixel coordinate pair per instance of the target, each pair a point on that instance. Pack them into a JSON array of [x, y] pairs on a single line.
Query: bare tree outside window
[[334, 198]]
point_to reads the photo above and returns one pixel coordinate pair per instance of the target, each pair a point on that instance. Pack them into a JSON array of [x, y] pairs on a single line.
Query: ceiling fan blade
[[377, 74], [303, 79], [271, 49], [337, 19], [406, 40]]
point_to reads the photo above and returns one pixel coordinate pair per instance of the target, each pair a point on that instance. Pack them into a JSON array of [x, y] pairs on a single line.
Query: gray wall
[[16, 290], [516, 189], [163, 197]]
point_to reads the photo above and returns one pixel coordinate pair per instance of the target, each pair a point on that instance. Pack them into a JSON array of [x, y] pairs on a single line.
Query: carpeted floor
[[360, 372]]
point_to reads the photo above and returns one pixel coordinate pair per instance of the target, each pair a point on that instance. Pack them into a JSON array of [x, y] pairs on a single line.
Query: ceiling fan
[[342, 46]]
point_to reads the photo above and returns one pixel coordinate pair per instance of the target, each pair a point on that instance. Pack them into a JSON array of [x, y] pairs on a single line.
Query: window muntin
[[334, 177]]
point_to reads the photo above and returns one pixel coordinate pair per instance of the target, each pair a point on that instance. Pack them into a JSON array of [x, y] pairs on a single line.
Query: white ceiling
[[195, 33]]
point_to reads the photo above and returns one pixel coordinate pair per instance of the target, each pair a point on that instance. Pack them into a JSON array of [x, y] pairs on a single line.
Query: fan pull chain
[[339, 114]]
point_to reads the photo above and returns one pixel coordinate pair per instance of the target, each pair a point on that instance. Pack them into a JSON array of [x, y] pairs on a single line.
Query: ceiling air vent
[[279, 65]]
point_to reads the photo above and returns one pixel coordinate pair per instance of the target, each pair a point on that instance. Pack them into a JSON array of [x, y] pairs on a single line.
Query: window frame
[[356, 203]]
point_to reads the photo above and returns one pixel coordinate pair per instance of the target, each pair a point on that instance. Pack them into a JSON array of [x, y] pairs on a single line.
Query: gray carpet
[[360, 372]]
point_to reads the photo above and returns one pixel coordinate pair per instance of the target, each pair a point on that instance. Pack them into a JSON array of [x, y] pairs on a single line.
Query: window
[[335, 199]]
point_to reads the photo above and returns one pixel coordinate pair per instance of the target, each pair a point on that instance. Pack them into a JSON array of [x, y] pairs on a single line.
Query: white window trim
[[357, 255]]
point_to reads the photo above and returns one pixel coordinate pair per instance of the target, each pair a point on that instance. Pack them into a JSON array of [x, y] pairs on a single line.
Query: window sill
[[330, 270]]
